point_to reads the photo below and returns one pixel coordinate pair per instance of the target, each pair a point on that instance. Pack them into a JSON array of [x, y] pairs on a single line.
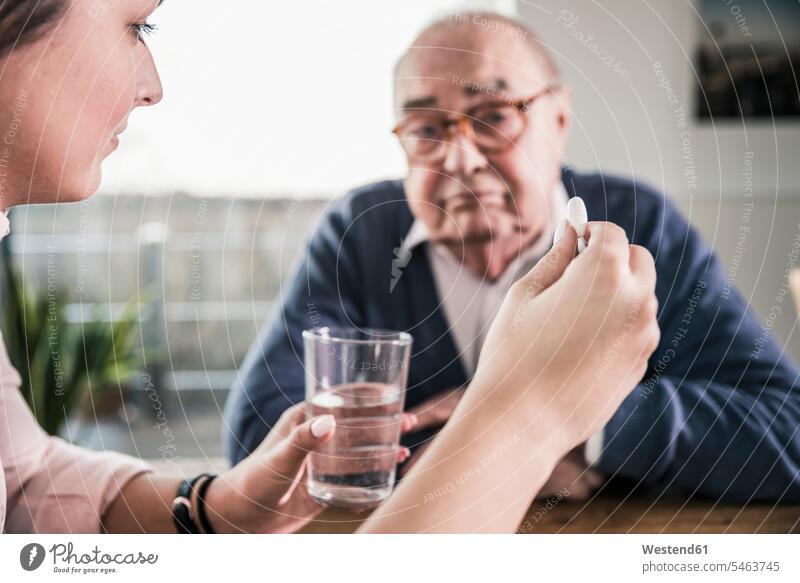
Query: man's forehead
[[431, 89], [464, 74], [433, 93]]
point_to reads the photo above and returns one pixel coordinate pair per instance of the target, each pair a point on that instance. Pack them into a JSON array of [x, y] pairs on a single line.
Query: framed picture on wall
[[747, 59]]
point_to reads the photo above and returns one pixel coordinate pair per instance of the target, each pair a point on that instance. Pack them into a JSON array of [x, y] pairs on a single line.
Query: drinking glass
[[359, 376]]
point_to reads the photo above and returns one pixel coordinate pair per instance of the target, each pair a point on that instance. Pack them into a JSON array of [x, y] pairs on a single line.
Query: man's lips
[[475, 198]]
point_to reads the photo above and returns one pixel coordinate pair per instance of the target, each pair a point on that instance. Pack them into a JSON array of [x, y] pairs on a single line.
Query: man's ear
[[562, 104], [563, 98]]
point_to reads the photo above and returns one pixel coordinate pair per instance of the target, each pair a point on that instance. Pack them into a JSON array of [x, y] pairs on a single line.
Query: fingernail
[[562, 226], [323, 426], [412, 420]]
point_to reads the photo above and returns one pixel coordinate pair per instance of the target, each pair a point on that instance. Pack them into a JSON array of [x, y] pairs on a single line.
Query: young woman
[[71, 72]]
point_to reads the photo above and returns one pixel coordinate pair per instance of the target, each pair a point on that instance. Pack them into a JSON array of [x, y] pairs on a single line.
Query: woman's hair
[[24, 21]]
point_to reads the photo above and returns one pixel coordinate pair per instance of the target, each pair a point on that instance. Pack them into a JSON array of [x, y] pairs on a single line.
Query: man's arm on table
[[322, 293], [719, 411]]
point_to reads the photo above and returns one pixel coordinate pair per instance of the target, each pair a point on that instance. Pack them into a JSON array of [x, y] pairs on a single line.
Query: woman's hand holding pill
[[573, 336], [569, 342]]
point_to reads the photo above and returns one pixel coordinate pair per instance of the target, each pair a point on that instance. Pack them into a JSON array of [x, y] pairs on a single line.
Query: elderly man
[[483, 118]]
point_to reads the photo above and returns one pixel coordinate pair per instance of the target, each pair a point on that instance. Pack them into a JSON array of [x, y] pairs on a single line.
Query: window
[[272, 99]]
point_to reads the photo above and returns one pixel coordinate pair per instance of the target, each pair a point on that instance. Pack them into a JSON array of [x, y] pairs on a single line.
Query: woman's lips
[[114, 141]]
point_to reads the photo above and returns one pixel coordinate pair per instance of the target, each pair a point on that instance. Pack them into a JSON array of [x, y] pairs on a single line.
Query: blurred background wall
[[630, 123]]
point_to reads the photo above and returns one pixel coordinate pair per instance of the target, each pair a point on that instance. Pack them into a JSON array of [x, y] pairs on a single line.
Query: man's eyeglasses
[[493, 127]]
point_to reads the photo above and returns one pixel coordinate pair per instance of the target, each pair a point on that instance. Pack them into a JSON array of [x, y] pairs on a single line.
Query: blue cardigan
[[717, 413]]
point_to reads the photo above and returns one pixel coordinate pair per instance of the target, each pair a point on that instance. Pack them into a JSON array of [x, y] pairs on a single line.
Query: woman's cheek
[[91, 129], [116, 88], [112, 95], [107, 108]]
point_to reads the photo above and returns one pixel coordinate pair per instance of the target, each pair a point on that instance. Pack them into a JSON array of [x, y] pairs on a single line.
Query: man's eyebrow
[[420, 102], [475, 88]]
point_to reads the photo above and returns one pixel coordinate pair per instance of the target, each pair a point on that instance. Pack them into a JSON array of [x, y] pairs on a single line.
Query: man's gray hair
[[492, 22]]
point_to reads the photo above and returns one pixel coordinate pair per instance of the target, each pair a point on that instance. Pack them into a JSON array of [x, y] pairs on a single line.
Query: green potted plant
[[64, 364]]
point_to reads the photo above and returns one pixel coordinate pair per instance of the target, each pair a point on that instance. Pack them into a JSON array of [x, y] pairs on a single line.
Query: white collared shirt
[[470, 302]]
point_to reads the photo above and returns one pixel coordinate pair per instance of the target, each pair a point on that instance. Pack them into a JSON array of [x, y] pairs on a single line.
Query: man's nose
[[463, 156]]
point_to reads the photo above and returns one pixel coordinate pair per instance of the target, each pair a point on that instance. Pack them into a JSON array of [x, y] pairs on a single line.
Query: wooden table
[[613, 510], [616, 508]]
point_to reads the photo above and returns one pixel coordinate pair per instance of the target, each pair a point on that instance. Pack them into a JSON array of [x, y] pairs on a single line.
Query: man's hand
[[572, 478], [437, 410], [432, 413]]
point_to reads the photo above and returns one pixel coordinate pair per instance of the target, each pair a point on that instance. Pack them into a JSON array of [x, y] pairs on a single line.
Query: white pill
[[576, 215]]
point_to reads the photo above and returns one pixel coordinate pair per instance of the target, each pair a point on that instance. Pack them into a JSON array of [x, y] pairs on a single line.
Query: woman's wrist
[[222, 507], [490, 458], [530, 412]]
